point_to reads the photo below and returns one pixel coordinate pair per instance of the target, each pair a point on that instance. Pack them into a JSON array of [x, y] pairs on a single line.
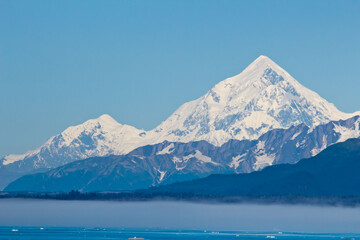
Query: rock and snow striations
[[261, 98], [170, 162], [95, 137]]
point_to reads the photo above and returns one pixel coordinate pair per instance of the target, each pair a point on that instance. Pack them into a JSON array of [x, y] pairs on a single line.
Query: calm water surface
[[113, 233], [108, 219]]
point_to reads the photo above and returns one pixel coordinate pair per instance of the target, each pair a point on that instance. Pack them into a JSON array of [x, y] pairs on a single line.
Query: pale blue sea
[[55, 233], [164, 220]]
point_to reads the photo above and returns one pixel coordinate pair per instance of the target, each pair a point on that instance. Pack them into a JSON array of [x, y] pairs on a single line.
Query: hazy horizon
[[179, 216]]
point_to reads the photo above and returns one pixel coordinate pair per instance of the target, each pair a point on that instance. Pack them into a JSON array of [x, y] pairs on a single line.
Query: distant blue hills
[[331, 177]]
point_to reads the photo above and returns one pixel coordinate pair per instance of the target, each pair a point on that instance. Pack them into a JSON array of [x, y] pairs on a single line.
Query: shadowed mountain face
[[333, 172], [170, 162], [261, 98]]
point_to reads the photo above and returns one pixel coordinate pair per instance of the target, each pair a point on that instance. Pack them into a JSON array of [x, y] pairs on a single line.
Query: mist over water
[[178, 216]]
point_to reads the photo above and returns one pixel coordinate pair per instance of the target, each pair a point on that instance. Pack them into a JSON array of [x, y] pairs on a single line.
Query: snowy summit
[[263, 97]]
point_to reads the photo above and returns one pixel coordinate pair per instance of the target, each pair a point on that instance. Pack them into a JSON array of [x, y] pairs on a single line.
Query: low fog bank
[[178, 215]]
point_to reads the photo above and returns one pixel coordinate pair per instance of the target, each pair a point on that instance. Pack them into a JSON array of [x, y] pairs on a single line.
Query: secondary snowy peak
[[101, 124], [108, 135], [95, 137], [262, 97]]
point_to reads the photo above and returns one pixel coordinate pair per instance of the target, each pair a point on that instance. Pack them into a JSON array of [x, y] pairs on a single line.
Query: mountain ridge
[[332, 173], [168, 162], [261, 98]]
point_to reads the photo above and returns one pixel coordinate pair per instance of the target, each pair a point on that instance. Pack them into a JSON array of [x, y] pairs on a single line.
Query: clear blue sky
[[63, 62]]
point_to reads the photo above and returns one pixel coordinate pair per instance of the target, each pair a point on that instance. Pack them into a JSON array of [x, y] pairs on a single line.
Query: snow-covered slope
[[263, 97], [95, 137], [170, 162]]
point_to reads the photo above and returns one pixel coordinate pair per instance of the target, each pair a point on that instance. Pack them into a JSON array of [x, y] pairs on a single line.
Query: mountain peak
[[263, 61], [106, 118], [262, 58], [261, 64], [262, 97]]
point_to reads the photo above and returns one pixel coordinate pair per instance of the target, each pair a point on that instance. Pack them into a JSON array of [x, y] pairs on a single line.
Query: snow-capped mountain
[[263, 97], [95, 137], [170, 162]]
